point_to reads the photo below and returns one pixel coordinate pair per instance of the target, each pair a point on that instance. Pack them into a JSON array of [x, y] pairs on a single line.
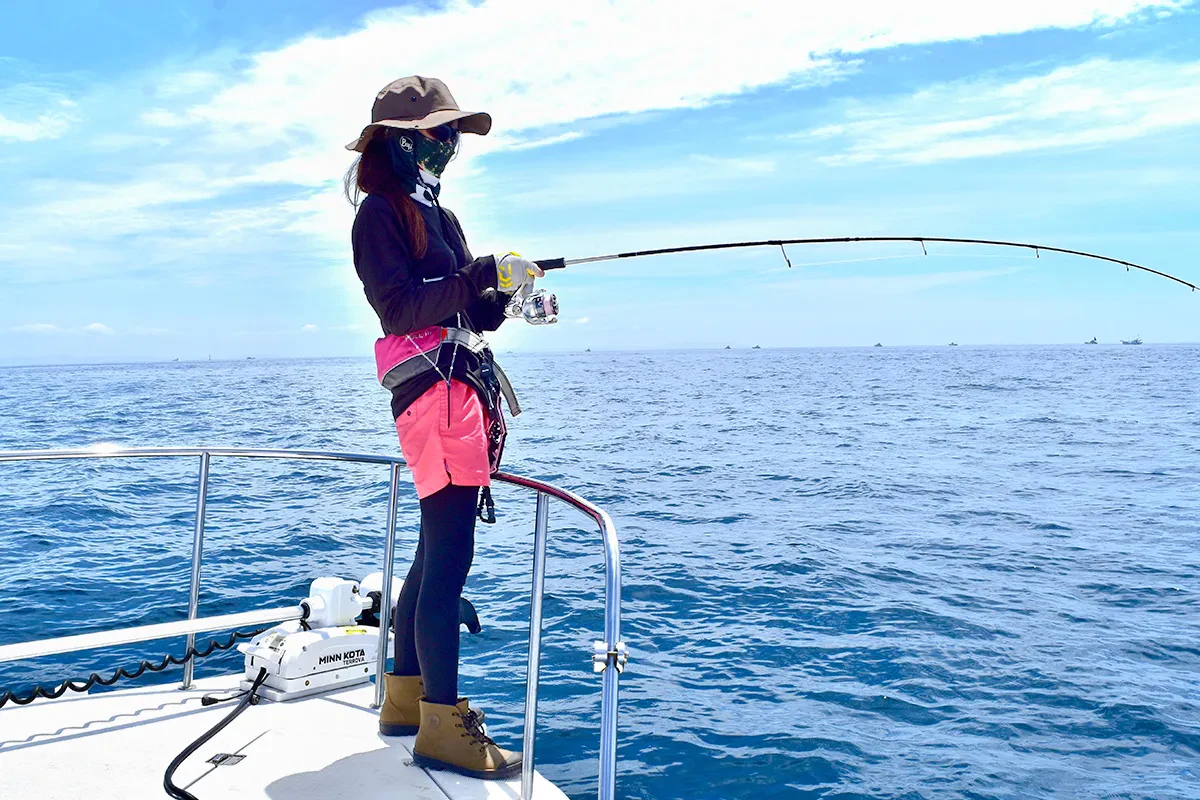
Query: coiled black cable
[[95, 679], [250, 698]]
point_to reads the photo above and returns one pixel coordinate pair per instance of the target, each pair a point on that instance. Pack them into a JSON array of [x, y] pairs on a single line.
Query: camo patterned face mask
[[412, 151], [435, 153]]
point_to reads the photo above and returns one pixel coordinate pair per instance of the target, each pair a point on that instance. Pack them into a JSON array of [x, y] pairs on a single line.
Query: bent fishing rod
[[1038, 249]]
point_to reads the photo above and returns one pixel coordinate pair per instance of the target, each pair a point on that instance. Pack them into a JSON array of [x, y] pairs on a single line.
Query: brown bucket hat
[[415, 103]]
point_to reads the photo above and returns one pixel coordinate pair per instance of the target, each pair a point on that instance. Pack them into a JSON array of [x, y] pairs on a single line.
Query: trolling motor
[[334, 644]]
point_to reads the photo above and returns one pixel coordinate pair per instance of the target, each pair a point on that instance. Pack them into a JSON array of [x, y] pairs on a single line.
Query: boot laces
[[472, 722]]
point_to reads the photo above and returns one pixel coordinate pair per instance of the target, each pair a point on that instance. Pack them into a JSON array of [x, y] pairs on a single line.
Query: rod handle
[[551, 263]]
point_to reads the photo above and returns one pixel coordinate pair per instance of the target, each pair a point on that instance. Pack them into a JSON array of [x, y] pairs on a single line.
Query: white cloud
[[98, 328], [295, 107], [545, 141], [569, 61], [312, 328], [582, 320], [29, 113], [162, 118], [308, 328], [102, 204], [748, 166], [679, 177], [538, 67], [45, 126], [1088, 104], [38, 327], [187, 82]]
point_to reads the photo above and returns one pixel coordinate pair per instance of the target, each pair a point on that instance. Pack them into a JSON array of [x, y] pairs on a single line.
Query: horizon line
[[709, 348]]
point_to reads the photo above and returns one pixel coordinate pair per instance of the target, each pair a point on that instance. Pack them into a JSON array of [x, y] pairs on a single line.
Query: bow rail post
[[189, 666], [536, 596], [608, 658], [385, 596]]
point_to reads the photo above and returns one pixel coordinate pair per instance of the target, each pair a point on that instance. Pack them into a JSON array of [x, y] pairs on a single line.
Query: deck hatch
[[226, 759]]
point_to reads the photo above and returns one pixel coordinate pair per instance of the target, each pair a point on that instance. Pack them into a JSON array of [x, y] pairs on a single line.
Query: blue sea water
[[849, 573]]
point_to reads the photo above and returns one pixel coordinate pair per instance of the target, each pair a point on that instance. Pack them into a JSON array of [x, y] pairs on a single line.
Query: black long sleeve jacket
[[444, 287]]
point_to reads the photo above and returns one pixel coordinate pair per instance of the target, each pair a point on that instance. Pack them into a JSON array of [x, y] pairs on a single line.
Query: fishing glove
[[514, 273]]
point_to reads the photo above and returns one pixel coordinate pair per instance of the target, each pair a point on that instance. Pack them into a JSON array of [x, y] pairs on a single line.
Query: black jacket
[[445, 287]]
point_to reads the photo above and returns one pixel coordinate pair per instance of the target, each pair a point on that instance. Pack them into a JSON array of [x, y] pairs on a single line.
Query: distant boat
[[756, 347], [1093, 341], [953, 344], [1138, 340], [727, 347], [879, 344], [588, 350]]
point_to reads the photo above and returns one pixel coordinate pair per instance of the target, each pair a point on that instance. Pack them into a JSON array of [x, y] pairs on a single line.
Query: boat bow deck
[[324, 746], [118, 744]]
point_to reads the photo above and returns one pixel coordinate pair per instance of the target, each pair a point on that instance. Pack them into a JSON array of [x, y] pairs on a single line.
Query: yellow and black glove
[[514, 273]]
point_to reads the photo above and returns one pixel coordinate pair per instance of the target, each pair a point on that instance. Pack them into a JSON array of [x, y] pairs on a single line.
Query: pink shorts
[[443, 436]]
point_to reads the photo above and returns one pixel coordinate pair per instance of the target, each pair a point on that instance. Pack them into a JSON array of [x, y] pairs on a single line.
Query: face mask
[[434, 154], [411, 150]]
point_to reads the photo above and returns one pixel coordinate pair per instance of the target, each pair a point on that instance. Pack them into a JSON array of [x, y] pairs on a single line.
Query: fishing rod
[[1038, 249]]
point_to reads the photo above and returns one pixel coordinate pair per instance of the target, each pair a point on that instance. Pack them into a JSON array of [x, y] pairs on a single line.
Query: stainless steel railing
[[608, 657]]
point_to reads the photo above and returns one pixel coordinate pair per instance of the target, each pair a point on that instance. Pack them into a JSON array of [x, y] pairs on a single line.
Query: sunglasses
[[444, 133]]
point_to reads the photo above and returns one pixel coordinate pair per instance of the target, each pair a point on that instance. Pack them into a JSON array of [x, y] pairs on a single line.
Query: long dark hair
[[372, 173]]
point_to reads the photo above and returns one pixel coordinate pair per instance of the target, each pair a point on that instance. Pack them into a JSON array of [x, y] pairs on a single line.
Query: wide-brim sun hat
[[417, 103]]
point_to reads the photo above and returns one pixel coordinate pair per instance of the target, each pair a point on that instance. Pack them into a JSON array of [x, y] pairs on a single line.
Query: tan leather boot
[[452, 738], [401, 715]]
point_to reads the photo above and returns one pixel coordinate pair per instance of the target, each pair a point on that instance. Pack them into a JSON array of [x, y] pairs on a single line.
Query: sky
[[170, 171]]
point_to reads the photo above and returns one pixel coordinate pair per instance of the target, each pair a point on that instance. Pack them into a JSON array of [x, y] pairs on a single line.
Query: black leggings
[[427, 613]]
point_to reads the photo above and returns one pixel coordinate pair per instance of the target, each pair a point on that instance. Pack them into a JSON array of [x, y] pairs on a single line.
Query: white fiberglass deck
[[116, 746]]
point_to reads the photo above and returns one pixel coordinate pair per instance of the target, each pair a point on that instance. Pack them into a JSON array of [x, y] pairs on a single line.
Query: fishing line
[[852, 261], [908, 257], [980, 255], [1038, 249]]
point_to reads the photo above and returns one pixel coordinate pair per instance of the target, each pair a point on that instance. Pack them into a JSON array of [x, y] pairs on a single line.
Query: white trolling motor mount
[[333, 645]]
